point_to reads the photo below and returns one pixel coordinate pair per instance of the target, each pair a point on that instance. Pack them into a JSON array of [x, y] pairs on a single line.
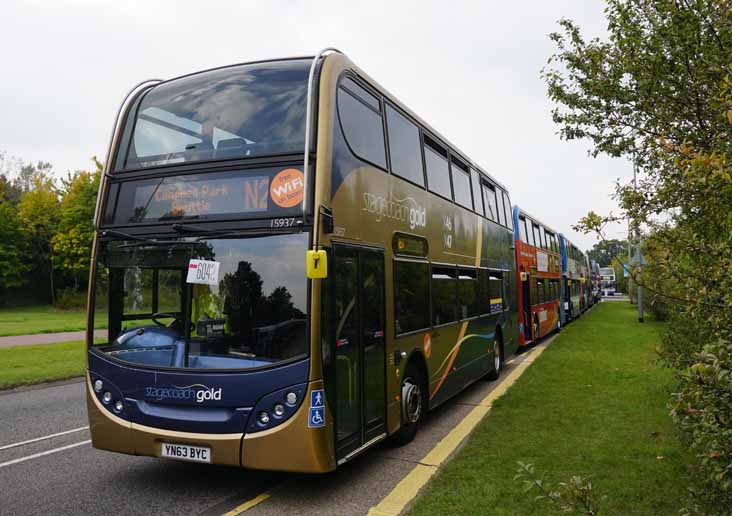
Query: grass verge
[[593, 404], [28, 320], [23, 365]]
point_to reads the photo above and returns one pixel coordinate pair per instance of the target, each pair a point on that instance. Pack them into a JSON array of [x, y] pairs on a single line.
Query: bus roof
[[535, 219]]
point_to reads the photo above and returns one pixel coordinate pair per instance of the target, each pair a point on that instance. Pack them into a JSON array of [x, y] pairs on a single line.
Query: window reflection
[[254, 315], [231, 112]]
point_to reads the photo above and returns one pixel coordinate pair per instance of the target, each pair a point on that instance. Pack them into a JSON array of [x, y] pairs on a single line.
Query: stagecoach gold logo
[[197, 391], [402, 210]]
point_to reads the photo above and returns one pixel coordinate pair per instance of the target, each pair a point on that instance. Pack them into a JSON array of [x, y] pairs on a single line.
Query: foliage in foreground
[[575, 496], [659, 91]]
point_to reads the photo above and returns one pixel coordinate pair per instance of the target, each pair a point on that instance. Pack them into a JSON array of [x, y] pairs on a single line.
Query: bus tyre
[[414, 405], [497, 359]]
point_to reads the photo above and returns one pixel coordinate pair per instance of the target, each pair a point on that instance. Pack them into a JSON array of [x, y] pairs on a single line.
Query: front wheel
[[497, 360], [414, 405]]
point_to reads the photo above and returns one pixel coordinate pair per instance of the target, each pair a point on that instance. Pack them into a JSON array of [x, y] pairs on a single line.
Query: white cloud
[[471, 69]]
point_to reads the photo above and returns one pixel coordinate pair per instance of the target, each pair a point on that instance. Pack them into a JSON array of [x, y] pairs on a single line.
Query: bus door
[[360, 362], [526, 308]]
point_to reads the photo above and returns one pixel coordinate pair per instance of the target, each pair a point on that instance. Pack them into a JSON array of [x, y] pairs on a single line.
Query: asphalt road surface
[[63, 474]]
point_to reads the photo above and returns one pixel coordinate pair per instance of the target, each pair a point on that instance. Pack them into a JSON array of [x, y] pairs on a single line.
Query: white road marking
[[41, 454], [7, 446]]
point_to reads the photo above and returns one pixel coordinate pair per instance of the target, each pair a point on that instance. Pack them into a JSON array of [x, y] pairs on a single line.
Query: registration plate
[[185, 452]]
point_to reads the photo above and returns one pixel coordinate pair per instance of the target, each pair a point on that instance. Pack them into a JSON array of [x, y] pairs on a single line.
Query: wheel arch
[[418, 360]]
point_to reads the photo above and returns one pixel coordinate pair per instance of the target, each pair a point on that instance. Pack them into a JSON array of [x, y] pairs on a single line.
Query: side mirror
[[317, 264]]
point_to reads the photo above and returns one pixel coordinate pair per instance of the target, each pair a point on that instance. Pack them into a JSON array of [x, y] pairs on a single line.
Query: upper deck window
[[489, 200], [522, 230], [360, 115], [461, 184], [477, 200], [438, 173], [227, 113], [404, 147], [507, 210], [499, 208]]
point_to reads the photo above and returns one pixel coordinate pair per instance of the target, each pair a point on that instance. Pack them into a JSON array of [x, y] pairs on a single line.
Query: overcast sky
[[470, 69]]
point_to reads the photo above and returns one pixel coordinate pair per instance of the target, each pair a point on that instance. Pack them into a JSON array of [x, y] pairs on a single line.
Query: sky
[[471, 69]]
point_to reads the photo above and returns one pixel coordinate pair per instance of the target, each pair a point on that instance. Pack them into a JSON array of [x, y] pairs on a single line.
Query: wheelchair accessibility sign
[[316, 418]]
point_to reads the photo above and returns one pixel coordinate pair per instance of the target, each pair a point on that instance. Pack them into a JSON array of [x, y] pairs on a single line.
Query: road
[[63, 474]]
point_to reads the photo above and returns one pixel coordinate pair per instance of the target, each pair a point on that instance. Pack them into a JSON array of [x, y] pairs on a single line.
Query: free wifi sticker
[[286, 188]]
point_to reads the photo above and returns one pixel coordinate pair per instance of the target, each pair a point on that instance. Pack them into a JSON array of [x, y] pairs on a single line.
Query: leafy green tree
[[658, 91], [39, 214], [72, 241], [605, 251], [13, 267]]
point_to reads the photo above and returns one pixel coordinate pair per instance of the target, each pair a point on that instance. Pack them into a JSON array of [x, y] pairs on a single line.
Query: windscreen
[[218, 303], [228, 113]]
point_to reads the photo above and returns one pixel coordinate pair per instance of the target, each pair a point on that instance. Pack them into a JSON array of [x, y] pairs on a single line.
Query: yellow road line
[[406, 490], [249, 504]]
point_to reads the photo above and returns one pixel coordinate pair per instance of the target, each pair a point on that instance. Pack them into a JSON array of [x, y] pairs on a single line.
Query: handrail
[[122, 110], [308, 130]]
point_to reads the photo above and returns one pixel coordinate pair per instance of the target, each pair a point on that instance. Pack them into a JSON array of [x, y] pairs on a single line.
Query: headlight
[[107, 397], [263, 418], [98, 386], [291, 398], [279, 410], [118, 406]]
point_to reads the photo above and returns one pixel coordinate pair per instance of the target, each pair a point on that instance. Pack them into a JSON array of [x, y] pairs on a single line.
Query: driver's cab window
[[150, 291], [138, 297]]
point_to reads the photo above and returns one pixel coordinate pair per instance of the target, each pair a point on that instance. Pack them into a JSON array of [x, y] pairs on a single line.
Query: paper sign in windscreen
[[203, 272]]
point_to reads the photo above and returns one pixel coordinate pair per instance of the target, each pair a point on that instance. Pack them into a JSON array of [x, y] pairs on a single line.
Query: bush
[[630, 96], [70, 299]]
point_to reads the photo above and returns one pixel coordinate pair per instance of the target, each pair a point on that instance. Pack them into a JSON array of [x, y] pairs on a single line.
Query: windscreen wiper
[[122, 234], [139, 240]]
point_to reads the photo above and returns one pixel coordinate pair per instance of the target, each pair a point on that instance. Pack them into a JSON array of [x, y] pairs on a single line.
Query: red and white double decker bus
[[538, 257]]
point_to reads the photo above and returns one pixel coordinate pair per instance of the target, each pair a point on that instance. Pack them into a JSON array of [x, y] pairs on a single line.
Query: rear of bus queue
[[538, 258], [570, 307], [224, 344]]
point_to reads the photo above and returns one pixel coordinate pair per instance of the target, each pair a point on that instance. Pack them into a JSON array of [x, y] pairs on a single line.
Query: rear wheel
[[414, 405], [497, 359]]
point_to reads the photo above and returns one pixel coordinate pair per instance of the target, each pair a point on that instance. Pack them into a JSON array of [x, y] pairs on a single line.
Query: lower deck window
[[411, 296], [444, 295]]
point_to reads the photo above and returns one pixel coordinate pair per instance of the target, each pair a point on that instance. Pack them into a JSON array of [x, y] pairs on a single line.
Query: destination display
[[271, 192]]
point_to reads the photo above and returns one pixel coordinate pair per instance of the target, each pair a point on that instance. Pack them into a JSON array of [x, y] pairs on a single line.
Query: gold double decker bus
[[292, 266]]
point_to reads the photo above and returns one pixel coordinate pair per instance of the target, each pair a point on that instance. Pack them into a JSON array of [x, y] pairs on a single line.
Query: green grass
[[42, 319], [593, 404], [22, 365]]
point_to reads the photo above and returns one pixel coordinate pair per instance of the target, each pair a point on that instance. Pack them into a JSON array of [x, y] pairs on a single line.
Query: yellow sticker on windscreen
[[286, 188]]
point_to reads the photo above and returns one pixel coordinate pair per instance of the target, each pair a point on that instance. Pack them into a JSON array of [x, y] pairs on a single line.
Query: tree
[[72, 241], [605, 251], [10, 191], [38, 212], [13, 268], [658, 92]]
